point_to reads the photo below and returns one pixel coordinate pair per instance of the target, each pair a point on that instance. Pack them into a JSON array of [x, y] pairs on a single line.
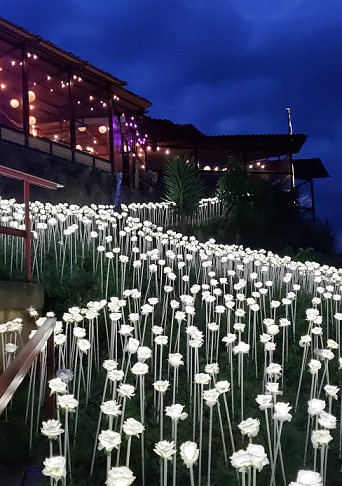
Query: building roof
[[167, 134], [12, 35], [307, 169]]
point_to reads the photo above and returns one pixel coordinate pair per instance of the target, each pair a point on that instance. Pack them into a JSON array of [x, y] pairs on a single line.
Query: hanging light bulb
[[207, 167], [14, 103], [32, 120], [31, 96], [78, 147], [102, 129]]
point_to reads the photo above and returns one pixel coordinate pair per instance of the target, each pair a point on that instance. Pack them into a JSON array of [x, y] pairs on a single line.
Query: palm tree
[[182, 187]]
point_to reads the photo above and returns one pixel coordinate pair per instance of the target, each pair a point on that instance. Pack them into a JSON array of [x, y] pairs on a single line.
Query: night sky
[[227, 66]]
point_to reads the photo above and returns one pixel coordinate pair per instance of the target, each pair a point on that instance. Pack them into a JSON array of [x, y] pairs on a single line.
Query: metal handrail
[[17, 370]]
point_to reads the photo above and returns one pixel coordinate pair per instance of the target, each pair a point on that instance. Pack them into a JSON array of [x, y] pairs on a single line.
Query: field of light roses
[[192, 363]]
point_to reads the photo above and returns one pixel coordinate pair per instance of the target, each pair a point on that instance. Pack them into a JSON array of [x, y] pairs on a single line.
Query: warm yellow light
[[82, 128], [14, 103], [142, 166], [207, 167], [167, 152], [216, 169], [32, 120], [48, 78], [78, 147], [158, 148], [2, 86], [251, 166], [91, 98], [31, 107], [31, 96], [102, 129], [148, 147], [262, 166], [258, 163]]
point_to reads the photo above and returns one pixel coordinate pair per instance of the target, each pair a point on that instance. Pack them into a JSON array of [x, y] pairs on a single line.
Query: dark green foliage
[[182, 185]]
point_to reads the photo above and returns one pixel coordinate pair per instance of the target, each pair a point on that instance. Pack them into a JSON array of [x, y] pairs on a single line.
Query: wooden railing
[[17, 370]]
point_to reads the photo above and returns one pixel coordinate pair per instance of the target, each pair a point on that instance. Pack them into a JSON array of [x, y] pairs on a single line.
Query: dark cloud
[[225, 66]]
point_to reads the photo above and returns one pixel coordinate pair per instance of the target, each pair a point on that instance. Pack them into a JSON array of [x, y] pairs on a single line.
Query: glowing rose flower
[[139, 368], [213, 327], [79, 332], [307, 478], [189, 453], [175, 360], [265, 338], [212, 369], [202, 378], [126, 390], [331, 391], [258, 456], [284, 322], [165, 449], [143, 353], [132, 345], [239, 327], [273, 329], [126, 330], [108, 440], [331, 344], [210, 397], [161, 386], [274, 370], [273, 388], [268, 321], [327, 354], [120, 476], [264, 401], [83, 345], [52, 429], [320, 438], [55, 467], [68, 402], [161, 340], [229, 339], [222, 386], [133, 427], [281, 412], [305, 341], [111, 407], [10, 348], [241, 348], [175, 412], [327, 420], [59, 339], [65, 374], [314, 366], [110, 364], [249, 427], [316, 406], [157, 330], [241, 460], [57, 385]]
